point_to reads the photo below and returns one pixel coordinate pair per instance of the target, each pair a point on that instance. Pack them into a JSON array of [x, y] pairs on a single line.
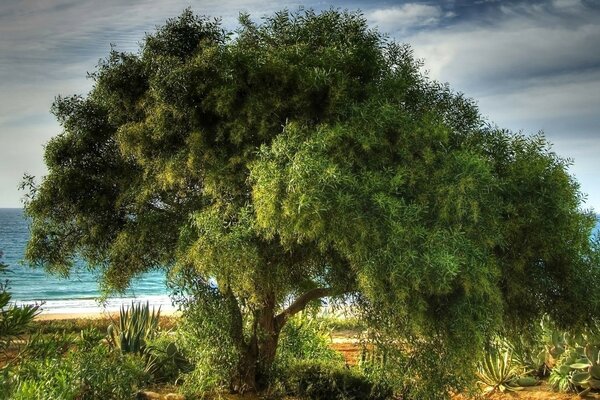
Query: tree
[[308, 157]]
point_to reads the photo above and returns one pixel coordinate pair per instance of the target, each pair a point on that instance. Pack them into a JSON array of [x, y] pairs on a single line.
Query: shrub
[[45, 379], [330, 381], [305, 338], [203, 337], [14, 321], [97, 373], [165, 360], [498, 372], [41, 346]]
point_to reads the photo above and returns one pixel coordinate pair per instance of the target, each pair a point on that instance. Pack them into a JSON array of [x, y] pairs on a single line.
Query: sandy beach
[[50, 316]]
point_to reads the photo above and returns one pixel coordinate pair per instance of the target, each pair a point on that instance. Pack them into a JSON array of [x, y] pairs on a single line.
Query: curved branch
[[300, 303]]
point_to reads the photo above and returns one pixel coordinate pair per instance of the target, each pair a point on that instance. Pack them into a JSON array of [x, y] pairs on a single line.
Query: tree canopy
[[308, 156]]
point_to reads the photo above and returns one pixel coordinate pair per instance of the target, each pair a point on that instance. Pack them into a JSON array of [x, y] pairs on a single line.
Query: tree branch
[[300, 303]]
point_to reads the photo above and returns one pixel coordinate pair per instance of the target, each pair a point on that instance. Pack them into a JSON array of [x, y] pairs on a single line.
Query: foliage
[[14, 321], [322, 380], [308, 156], [137, 324], [97, 373], [165, 361], [528, 354], [77, 325], [202, 337], [416, 367], [68, 326], [498, 372], [577, 366], [306, 338], [41, 346]]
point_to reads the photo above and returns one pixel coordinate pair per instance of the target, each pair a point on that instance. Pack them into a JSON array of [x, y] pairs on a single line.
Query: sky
[[530, 65]]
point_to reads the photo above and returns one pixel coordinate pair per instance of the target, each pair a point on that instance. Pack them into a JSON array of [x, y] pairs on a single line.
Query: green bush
[[165, 360], [306, 338], [330, 381], [105, 374], [497, 371], [50, 379], [41, 346], [14, 321], [203, 337], [96, 373]]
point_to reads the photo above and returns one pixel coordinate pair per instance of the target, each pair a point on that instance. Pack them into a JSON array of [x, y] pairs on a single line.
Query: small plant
[[165, 360], [95, 374], [497, 372], [42, 346], [577, 367], [14, 321], [579, 371], [306, 338], [137, 324], [329, 381]]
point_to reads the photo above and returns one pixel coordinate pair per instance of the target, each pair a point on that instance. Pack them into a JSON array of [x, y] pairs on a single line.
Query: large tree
[[308, 157]]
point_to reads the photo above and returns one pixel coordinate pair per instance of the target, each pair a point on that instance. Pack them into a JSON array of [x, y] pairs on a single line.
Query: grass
[[67, 326]]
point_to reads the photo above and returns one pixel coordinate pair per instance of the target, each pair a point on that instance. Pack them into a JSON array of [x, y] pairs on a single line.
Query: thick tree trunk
[[258, 354]]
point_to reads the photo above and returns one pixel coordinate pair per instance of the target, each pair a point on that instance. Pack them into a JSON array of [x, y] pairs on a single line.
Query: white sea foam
[[93, 306]]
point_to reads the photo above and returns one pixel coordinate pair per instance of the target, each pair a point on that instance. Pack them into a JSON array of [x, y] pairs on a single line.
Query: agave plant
[[137, 324], [497, 372]]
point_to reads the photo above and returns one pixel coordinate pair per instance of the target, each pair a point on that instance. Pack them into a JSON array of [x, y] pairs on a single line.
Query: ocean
[[80, 291]]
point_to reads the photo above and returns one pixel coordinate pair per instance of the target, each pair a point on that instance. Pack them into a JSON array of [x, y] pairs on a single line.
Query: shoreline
[[92, 315], [92, 308]]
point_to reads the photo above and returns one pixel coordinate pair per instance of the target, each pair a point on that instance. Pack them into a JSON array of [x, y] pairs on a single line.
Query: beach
[[51, 316]]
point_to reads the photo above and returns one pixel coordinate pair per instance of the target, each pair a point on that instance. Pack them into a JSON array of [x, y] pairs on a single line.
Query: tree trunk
[[258, 354]]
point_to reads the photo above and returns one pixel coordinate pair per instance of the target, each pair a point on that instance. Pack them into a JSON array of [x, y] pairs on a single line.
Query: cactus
[[578, 370], [136, 325]]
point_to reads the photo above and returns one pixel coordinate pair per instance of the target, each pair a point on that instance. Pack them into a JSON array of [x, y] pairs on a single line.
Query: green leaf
[[579, 365]]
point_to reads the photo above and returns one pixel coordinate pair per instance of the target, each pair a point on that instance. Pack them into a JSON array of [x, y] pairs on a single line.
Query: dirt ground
[[541, 392]]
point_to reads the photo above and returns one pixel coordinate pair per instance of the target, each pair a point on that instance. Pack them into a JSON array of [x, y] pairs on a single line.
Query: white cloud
[[530, 67], [404, 17], [512, 50], [48, 46], [566, 4]]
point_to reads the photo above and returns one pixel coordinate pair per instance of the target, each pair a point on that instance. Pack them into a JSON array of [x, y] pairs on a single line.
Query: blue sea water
[[79, 292]]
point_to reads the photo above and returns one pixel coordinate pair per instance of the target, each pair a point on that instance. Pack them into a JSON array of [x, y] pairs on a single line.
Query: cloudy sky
[[531, 65]]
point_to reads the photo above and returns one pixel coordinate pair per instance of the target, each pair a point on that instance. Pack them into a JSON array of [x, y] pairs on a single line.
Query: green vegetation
[[14, 321], [90, 373], [137, 324], [302, 158], [497, 372], [84, 366], [327, 381]]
